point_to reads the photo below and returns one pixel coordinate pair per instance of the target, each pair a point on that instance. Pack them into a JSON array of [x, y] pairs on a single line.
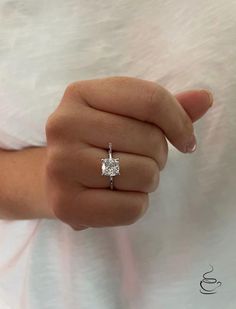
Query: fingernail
[[79, 227], [191, 144], [209, 95]]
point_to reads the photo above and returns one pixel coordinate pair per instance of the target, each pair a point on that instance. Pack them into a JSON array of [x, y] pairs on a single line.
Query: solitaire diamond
[[110, 167]]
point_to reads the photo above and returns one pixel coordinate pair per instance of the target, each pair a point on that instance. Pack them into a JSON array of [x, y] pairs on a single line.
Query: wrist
[[46, 211], [22, 185]]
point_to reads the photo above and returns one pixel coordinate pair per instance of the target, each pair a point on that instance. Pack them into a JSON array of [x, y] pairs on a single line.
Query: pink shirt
[[159, 261]]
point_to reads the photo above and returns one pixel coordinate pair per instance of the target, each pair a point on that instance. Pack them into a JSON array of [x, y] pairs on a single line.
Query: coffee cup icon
[[209, 285]]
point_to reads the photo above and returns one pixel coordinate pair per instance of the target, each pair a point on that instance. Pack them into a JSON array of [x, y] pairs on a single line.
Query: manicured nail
[[79, 227], [209, 95], [191, 144]]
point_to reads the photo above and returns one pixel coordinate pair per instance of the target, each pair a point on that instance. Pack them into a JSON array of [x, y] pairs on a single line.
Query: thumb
[[195, 102]]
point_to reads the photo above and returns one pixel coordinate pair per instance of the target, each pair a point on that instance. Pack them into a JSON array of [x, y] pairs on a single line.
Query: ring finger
[[83, 165]]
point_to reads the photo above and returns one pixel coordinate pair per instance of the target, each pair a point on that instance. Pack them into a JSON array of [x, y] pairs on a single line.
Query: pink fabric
[[159, 261]]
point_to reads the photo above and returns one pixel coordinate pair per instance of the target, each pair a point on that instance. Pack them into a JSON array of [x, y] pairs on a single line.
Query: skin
[[137, 116]]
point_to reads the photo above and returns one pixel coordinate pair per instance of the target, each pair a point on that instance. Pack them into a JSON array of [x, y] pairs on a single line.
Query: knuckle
[[154, 138], [153, 177], [158, 146], [73, 88], [151, 106], [119, 80], [138, 210], [156, 95], [79, 89], [53, 126], [61, 126]]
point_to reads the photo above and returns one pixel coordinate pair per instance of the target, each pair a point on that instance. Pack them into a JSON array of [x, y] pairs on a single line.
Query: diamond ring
[[110, 166]]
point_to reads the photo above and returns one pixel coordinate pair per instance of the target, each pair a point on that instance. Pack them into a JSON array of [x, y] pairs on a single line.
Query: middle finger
[[97, 128]]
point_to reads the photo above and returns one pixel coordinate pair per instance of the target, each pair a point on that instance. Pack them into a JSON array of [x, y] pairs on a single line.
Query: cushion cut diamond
[[110, 167]]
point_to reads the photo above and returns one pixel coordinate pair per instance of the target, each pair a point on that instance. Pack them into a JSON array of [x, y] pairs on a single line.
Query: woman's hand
[[136, 116]]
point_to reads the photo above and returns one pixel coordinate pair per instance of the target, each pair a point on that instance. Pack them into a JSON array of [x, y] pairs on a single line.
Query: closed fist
[[137, 116]]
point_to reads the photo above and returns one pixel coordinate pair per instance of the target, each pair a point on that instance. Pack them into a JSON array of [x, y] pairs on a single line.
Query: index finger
[[140, 99]]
